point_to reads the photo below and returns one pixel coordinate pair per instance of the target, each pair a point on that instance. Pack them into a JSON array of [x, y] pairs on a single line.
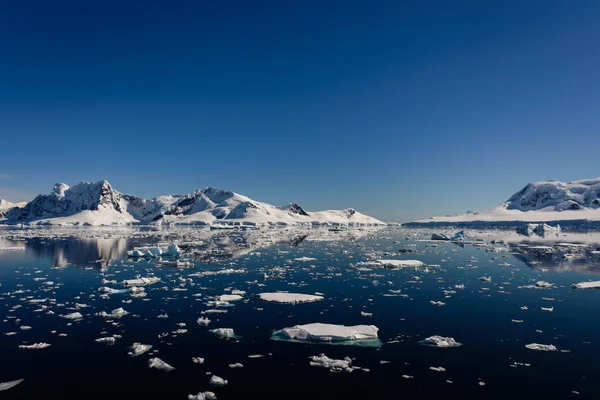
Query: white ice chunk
[[9, 385], [229, 297], [140, 281], [328, 333], [224, 333], [203, 396], [440, 341], [332, 364], [587, 285], [401, 263], [217, 381], [35, 346], [159, 364], [73, 316], [541, 347], [139, 349], [203, 321], [289, 298], [116, 313]]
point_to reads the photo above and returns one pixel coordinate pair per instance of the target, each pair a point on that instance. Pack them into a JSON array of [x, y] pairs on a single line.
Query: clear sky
[[399, 109]]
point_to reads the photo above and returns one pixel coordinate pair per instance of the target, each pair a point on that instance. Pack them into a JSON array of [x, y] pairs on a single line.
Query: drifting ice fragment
[[203, 396], [223, 333], [541, 347], [172, 251], [229, 297], [9, 385], [439, 236], [365, 335], [333, 365], [73, 316], [203, 321], [139, 349], [198, 360], [236, 365], [587, 285], [305, 259], [217, 381], [35, 346], [289, 298], [401, 263], [440, 341], [116, 313], [140, 281], [459, 236], [106, 340], [159, 364]]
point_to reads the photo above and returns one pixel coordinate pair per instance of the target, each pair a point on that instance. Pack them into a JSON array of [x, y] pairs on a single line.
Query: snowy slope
[[97, 203], [5, 206], [541, 201]]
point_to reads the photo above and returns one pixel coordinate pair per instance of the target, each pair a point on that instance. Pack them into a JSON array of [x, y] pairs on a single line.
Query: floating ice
[[140, 281], [223, 333], [35, 346], [73, 316], [587, 285], [438, 369], [332, 364], [139, 349], [541, 347], [229, 297], [439, 236], [172, 251], [108, 290], [106, 340], [365, 335], [440, 341], [9, 385], [289, 298], [217, 381], [305, 259], [203, 321], [401, 263], [198, 360], [203, 396], [236, 365], [116, 313], [159, 364]]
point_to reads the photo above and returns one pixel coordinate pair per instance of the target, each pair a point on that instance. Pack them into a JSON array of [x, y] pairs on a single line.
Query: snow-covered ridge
[[97, 203], [547, 201], [7, 205]]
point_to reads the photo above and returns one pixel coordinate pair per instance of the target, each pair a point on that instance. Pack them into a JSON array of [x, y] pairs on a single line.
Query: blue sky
[[399, 109]]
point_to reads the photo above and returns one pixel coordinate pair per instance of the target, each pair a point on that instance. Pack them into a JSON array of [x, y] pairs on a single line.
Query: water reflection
[[99, 247]]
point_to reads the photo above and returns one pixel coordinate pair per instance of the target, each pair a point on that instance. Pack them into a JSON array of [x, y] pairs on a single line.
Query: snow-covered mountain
[[5, 206], [539, 202], [97, 203]]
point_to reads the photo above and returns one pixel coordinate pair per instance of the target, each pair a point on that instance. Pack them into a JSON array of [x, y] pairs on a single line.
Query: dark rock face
[[296, 209]]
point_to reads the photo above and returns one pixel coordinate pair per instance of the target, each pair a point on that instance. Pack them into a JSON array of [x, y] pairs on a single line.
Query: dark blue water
[[479, 316]]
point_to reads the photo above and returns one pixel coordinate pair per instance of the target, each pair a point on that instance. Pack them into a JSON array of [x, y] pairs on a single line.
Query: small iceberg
[[332, 364], [138, 349], [140, 281], [203, 396], [217, 381], [159, 364], [459, 236], [9, 385], [289, 298], [35, 346], [586, 285], [229, 297], [399, 264], [172, 251], [541, 347], [440, 341], [440, 236], [106, 340], [72, 316], [223, 333], [116, 313], [359, 335]]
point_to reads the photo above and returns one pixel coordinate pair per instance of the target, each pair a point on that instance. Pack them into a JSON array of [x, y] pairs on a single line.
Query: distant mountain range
[[576, 202], [97, 203]]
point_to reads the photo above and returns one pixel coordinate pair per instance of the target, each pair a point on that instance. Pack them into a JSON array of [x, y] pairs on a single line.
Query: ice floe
[[289, 298], [159, 364], [440, 341], [9, 385], [330, 333], [541, 347]]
